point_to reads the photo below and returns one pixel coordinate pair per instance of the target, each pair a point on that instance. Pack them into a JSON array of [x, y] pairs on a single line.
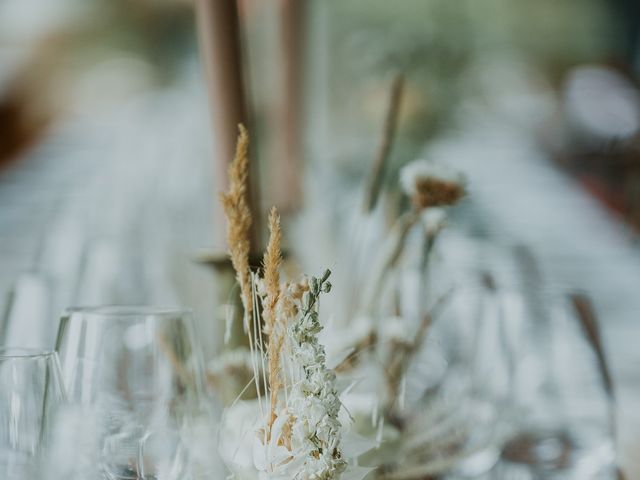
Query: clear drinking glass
[[31, 390], [134, 377]]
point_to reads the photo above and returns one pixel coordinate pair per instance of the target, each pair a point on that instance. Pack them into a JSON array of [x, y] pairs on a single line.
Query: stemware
[[134, 379], [31, 390]]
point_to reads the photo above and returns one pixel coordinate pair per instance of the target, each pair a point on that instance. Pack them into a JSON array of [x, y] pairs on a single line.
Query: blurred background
[[113, 142]]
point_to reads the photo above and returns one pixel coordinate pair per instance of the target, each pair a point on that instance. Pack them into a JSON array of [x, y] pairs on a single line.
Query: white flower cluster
[[313, 402], [303, 441]]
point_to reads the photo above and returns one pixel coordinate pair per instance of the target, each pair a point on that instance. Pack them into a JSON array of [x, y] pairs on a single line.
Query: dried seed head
[[236, 208], [431, 185]]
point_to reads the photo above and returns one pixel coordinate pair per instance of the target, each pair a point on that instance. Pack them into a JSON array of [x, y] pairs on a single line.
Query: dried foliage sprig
[[236, 208]]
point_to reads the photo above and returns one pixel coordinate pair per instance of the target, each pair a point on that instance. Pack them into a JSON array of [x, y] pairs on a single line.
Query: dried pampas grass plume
[[271, 265], [238, 213]]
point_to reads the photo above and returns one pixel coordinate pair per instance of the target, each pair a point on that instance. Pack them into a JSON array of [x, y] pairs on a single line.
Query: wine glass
[[31, 390], [134, 376]]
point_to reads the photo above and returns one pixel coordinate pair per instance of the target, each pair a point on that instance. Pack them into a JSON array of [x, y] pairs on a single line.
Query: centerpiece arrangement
[[298, 415], [292, 428]]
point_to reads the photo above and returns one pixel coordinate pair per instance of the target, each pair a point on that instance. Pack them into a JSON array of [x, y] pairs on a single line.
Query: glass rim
[[128, 311], [12, 353]]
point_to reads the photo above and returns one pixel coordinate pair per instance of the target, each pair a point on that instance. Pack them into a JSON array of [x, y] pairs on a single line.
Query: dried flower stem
[[400, 233], [404, 352], [366, 344], [384, 148], [236, 208]]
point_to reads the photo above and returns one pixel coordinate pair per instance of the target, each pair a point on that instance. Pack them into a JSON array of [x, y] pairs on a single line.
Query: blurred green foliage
[[437, 44]]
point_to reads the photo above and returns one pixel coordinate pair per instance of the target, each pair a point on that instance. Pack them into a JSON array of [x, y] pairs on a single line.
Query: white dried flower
[[394, 329], [434, 220], [313, 401]]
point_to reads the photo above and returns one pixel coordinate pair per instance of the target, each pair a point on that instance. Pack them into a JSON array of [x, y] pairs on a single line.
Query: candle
[[221, 52]]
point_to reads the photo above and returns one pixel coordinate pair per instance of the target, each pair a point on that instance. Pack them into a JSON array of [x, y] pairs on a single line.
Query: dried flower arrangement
[[298, 423], [291, 430], [381, 347]]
